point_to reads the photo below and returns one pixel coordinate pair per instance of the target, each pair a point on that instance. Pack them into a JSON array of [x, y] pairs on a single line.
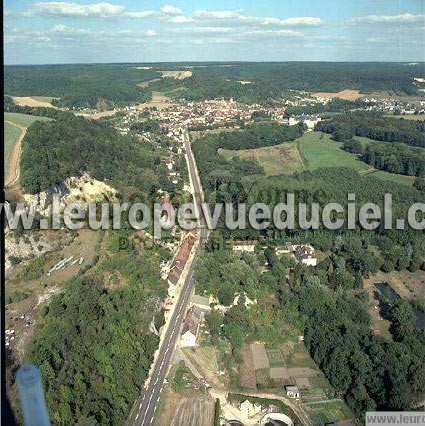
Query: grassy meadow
[[311, 151]]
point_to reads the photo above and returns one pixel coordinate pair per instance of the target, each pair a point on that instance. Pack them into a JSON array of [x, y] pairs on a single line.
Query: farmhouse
[[192, 323]]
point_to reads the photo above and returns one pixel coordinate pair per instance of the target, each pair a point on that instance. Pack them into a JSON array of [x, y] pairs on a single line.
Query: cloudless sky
[[38, 32]]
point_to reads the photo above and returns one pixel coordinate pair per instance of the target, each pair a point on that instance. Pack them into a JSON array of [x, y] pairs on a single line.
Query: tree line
[[395, 158], [374, 126], [259, 135]]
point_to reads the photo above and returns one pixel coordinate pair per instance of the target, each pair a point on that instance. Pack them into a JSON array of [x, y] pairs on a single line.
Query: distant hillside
[[109, 85], [79, 86], [270, 80]]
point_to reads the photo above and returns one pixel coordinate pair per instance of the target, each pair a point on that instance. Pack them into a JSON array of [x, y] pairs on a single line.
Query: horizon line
[[422, 61]]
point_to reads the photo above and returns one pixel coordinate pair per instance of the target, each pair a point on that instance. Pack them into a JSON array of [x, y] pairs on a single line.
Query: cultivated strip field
[[194, 412], [36, 101], [348, 95]]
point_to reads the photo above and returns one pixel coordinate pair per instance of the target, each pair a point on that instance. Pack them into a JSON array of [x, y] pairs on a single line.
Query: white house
[[292, 391]]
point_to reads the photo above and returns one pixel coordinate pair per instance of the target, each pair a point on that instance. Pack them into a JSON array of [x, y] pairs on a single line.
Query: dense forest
[[374, 126], [79, 86], [270, 80], [49, 155], [92, 344], [259, 135], [369, 371], [395, 158], [214, 169]]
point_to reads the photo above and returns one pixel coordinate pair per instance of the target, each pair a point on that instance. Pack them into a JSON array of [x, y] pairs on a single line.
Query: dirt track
[[13, 173]]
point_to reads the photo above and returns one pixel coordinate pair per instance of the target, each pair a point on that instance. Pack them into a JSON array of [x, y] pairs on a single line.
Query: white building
[[292, 391], [311, 122], [248, 246]]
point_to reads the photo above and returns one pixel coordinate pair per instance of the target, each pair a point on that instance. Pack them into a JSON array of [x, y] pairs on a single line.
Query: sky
[[84, 31]]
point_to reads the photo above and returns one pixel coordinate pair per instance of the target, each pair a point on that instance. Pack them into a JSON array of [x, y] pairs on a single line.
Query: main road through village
[[145, 409]]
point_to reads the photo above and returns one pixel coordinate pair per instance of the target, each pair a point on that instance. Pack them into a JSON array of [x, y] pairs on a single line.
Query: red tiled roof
[[181, 257]]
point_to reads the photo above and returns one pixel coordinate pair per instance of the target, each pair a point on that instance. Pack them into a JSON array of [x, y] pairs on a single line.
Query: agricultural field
[[178, 74], [184, 401], [319, 150], [276, 160], [34, 101], [348, 95], [23, 120], [290, 363], [287, 363], [329, 411], [194, 412]]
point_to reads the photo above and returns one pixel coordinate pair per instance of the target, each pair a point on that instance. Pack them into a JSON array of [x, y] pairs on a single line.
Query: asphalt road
[[145, 412]]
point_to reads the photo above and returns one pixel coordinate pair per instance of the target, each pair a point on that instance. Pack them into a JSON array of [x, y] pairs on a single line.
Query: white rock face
[[83, 190], [24, 248]]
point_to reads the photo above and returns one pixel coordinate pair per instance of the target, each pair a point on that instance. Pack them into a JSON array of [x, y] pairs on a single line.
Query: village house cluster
[[394, 106], [212, 113]]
